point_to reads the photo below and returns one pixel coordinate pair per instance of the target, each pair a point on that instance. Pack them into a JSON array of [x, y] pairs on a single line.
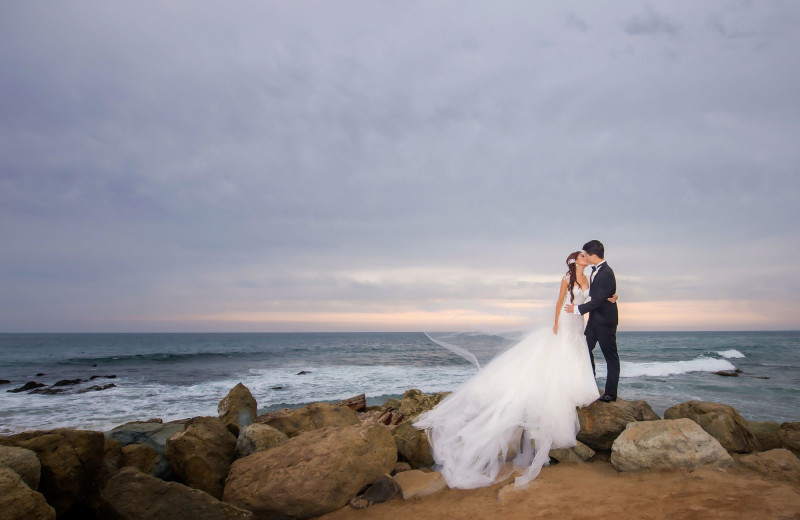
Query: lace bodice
[[573, 322]]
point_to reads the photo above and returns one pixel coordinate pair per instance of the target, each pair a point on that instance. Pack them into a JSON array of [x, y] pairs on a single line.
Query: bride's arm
[[561, 293]]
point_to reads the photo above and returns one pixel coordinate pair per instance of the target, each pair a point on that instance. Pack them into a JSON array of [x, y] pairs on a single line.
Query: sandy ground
[[595, 490]]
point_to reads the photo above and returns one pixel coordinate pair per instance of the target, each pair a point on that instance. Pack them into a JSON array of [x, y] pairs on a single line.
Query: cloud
[[194, 160], [650, 23]]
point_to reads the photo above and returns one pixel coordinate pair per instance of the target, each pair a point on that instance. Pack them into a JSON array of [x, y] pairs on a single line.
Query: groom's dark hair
[[594, 247]]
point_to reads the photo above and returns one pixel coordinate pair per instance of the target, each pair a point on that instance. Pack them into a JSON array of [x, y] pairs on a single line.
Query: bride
[[522, 404]]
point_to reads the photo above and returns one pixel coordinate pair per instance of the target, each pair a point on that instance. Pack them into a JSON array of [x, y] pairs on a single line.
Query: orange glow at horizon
[[655, 315]]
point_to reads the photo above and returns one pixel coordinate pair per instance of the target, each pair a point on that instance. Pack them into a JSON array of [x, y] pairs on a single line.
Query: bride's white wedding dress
[[519, 406]]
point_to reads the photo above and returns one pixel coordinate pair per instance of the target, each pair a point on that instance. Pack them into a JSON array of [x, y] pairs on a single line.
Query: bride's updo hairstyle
[[571, 259]]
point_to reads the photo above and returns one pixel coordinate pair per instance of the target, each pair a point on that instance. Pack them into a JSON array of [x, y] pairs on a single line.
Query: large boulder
[[789, 435], [18, 501], [766, 433], [258, 437], [202, 454], [721, 421], [153, 434], [311, 417], [601, 422], [666, 444], [70, 459], [780, 463], [24, 462], [132, 495], [237, 409], [412, 444], [311, 474]]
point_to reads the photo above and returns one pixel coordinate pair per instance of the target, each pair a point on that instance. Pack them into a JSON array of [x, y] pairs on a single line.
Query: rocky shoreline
[[346, 459]]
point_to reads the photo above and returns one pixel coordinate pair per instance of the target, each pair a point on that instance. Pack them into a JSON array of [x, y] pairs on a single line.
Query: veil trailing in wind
[[521, 402]]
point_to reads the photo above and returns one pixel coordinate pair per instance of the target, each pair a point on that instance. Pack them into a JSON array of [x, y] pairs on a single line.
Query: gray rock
[[384, 489], [30, 385], [666, 444], [153, 434]]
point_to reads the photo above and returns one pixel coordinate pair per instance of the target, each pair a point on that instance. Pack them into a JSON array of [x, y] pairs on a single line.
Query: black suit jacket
[[602, 312]]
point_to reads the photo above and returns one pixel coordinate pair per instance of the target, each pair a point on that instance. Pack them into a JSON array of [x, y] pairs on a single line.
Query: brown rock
[[667, 444], [413, 445], [416, 483], [142, 457], [578, 453], [24, 462], [202, 454], [311, 474], [401, 467], [258, 437], [391, 404], [415, 402], [601, 423], [721, 421], [357, 403], [237, 409], [311, 417], [789, 435], [70, 459], [766, 433], [20, 502], [781, 464], [132, 495]]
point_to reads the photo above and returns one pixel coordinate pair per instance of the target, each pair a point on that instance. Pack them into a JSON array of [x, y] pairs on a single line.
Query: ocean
[[174, 376]]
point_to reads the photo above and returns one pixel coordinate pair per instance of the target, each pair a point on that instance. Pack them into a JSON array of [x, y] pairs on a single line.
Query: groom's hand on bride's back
[[569, 308]]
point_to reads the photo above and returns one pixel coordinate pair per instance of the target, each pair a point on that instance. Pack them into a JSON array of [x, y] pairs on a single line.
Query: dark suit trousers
[[607, 337]]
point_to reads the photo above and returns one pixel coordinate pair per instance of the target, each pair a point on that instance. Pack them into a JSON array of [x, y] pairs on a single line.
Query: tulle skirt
[[511, 413]]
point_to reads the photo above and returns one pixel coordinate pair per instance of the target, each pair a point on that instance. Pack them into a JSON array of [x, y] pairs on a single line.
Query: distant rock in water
[[30, 385], [4, 381], [277, 388], [67, 382], [48, 391], [302, 373], [727, 373], [97, 388], [113, 376]]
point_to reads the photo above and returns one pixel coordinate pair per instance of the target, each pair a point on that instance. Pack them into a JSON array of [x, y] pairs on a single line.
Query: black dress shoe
[[607, 398]]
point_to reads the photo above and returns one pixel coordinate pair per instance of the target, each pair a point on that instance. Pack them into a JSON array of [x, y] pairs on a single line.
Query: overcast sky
[[395, 165]]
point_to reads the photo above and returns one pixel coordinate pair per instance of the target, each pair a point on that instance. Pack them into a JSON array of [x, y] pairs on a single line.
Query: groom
[[603, 317]]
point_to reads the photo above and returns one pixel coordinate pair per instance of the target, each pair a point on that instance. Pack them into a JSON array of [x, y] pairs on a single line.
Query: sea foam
[[733, 353], [669, 368]]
